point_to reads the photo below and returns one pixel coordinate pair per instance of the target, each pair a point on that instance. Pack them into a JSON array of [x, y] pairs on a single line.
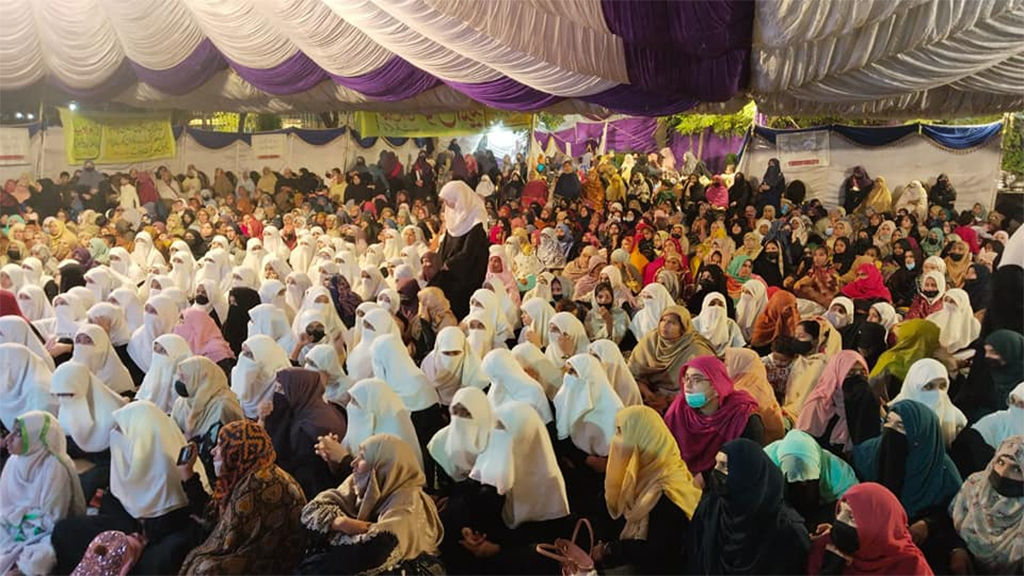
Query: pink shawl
[[826, 400], [871, 287], [700, 437], [203, 336]]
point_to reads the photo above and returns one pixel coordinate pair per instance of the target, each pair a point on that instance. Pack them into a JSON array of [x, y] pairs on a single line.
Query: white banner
[[269, 146], [15, 147], [803, 150]]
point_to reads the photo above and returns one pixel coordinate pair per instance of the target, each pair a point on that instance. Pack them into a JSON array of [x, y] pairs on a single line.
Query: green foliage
[[722, 124], [264, 122], [1013, 144], [548, 122], [792, 122]]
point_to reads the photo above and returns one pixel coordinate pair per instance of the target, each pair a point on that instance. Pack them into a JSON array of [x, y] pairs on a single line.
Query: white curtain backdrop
[[974, 172]]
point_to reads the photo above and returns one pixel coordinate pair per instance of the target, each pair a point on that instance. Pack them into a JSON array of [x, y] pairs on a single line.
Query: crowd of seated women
[[437, 370]]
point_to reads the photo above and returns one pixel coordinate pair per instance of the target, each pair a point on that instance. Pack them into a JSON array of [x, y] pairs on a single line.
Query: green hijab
[[1010, 346], [734, 268], [800, 458], [915, 339], [99, 250], [933, 248], [931, 479]]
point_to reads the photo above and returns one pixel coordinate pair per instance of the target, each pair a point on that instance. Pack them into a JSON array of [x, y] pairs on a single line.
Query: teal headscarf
[[931, 478], [933, 248], [99, 250], [1010, 346], [800, 458], [734, 268]]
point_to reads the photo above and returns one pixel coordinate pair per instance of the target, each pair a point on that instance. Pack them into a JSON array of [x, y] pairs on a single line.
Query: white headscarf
[[296, 285], [217, 266], [509, 307], [144, 254], [753, 300], [586, 405], [33, 303], [614, 364], [69, 311], [956, 318], [160, 317], [123, 263], [323, 358], [273, 243], [325, 312], [276, 263], [655, 298], [274, 292], [520, 463], [539, 367], [183, 272], [375, 409], [360, 360], [101, 359], [622, 294], [451, 372], [218, 302], [486, 301], [118, 332], [888, 315], [302, 255], [87, 415], [392, 364], [158, 385], [24, 383], [566, 324], [951, 419], [16, 275], [456, 446], [269, 320], [244, 277], [481, 339], [252, 379], [143, 454], [128, 300], [510, 382], [999, 426], [370, 284], [714, 324], [540, 313], [38, 488], [15, 330], [468, 210]]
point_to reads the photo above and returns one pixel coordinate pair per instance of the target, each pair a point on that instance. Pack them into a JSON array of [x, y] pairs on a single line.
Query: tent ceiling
[[643, 57]]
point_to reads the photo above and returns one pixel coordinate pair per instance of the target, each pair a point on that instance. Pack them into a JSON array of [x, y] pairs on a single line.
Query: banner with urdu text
[[111, 138], [443, 124]]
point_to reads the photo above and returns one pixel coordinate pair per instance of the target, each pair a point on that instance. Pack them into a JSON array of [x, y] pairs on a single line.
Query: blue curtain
[[961, 137], [217, 140], [955, 137], [421, 142], [317, 137], [363, 142]]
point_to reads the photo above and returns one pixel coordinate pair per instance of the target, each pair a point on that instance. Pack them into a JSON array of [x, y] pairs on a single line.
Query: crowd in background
[[433, 368]]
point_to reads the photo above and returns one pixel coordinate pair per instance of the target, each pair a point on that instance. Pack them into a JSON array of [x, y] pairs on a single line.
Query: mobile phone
[[186, 453]]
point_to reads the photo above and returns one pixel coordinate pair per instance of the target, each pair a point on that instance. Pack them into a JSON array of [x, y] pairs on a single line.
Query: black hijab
[[71, 275], [869, 340], [772, 272], [236, 325], [716, 283], [748, 529], [979, 289], [845, 260]]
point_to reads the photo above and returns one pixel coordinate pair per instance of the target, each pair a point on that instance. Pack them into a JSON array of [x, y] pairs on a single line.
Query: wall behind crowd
[[974, 172], [49, 158]]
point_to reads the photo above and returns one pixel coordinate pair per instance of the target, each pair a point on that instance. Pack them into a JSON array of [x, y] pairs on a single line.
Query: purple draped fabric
[[191, 73], [699, 49], [713, 151], [296, 73], [396, 80], [631, 134], [506, 93]]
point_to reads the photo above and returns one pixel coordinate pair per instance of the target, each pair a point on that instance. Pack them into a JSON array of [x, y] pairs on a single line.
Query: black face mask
[[1006, 487], [892, 460], [803, 496], [605, 305], [802, 348], [677, 236], [179, 387], [772, 256], [720, 482], [956, 257], [315, 334], [929, 293], [202, 299], [13, 255], [845, 537]]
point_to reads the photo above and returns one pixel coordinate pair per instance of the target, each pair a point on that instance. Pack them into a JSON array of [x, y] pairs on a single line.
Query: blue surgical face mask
[[785, 208], [696, 400], [911, 266], [829, 231]]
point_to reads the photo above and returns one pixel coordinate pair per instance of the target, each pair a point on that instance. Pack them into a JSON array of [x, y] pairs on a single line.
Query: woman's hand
[[330, 449], [919, 532], [58, 349], [598, 464], [532, 337], [350, 526], [478, 545], [266, 408], [186, 469]]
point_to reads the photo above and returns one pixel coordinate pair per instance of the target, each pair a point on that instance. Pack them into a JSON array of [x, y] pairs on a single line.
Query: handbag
[[573, 559]]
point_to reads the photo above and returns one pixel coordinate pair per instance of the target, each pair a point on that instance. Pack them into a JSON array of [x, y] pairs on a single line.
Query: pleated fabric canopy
[[640, 57]]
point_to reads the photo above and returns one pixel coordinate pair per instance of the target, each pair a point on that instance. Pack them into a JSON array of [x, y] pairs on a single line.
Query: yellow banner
[[444, 124], [113, 138]]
